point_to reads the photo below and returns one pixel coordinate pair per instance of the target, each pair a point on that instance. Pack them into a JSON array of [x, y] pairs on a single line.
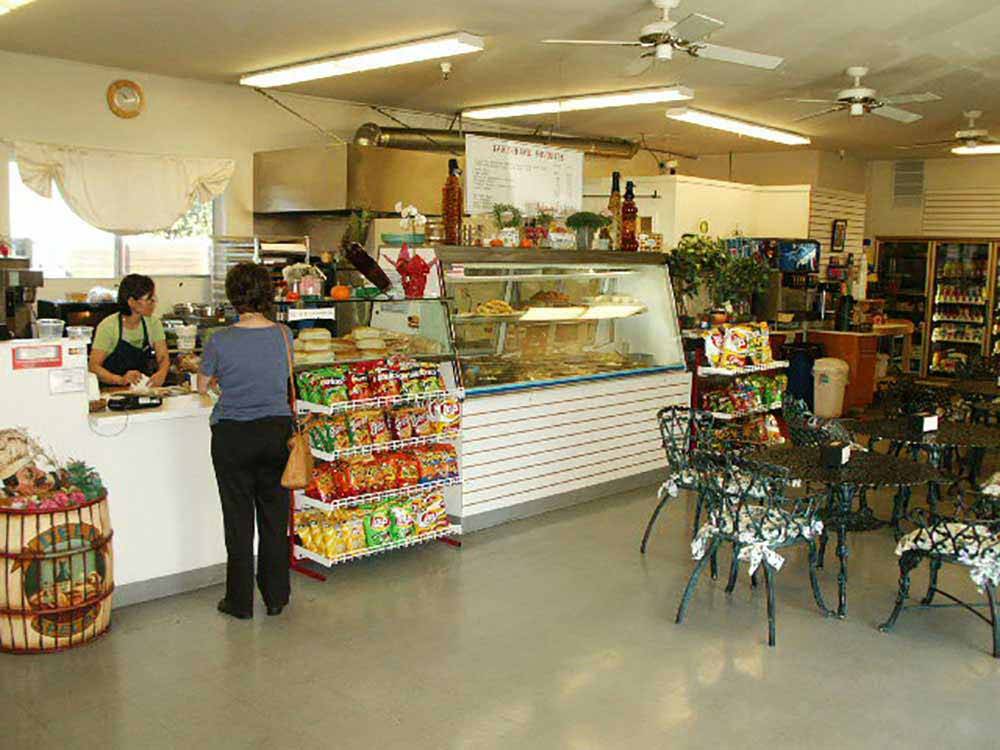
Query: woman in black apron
[[124, 363]]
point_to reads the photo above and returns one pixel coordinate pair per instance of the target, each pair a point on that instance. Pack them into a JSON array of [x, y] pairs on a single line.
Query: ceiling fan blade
[[639, 66], [929, 144], [820, 113], [814, 101], [738, 56], [600, 42], [899, 115], [695, 27], [912, 98]]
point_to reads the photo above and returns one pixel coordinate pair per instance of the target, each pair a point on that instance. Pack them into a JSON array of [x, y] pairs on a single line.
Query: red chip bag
[[358, 388], [402, 427]]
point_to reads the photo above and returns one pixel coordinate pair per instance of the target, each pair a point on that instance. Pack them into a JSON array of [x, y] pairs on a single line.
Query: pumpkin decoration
[[340, 293]]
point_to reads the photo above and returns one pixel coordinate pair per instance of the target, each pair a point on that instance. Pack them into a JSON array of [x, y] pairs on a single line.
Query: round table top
[[865, 469], [948, 434]]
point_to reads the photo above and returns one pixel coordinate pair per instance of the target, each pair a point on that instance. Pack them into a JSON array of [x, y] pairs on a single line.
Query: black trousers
[[249, 458]]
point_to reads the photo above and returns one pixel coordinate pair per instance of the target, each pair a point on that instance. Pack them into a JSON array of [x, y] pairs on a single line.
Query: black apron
[[126, 357]]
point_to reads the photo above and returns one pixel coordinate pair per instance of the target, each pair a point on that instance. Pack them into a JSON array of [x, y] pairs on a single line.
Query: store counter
[[156, 465]]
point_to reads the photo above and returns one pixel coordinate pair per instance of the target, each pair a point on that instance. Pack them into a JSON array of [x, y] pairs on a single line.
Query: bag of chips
[[421, 422], [445, 415], [358, 388], [377, 526], [354, 534], [399, 421], [402, 520], [384, 380], [430, 513], [378, 430], [357, 425], [407, 469]]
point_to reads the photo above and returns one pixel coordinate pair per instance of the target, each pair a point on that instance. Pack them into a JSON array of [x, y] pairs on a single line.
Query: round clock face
[[125, 99]]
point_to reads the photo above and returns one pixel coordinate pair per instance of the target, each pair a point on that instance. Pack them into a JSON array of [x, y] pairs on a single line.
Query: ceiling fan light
[[740, 127], [982, 148], [577, 103], [857, 110], [449, 45]]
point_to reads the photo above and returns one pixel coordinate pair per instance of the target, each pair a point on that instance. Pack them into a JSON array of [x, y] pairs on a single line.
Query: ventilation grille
[[908, 183]]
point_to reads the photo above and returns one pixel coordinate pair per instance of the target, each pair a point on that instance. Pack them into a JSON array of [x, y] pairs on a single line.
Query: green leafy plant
[[737, 280], [587, 220], [357, 227], [696, 258], [506, 215]]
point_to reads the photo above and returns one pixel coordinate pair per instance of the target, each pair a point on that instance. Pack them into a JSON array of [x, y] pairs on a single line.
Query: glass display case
[[902, 283], [960, 297], [528, 318]]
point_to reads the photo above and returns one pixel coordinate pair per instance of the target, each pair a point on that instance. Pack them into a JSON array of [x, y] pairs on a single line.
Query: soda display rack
[[301, 553], [304, 500]]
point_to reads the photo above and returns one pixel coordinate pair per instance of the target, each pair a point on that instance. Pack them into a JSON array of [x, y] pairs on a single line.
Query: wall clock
[[125, 99]]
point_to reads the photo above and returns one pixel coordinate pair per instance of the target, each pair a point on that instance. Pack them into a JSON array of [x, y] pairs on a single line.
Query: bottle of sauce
[[845, 310], [630, 216], [615, 209], [451, 204]]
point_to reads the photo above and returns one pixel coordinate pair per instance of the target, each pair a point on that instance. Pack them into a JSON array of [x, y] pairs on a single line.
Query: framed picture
[[839, 239]]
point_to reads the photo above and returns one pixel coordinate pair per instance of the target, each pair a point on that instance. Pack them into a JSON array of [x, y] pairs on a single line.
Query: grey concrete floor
[[547, 633]]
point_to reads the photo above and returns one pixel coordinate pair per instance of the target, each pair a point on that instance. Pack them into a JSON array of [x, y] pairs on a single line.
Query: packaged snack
[[327, 386], [333, 538], [357, 424], [402, 427], [324, 483], [353, 531], [378, 430], [377, 526], [402, 520], [329, 434], [430, 513], [384, 381], [421, 422], [411, 381], [356, 476], [445, 414], [407, 469], [358, 387]]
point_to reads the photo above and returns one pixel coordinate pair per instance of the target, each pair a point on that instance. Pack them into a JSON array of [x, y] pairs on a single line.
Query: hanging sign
[[524, 175]]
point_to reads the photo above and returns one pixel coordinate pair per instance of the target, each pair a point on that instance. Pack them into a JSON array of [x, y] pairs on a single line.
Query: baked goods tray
[[377, 403], [329, 562], [395, 445], [373, 497]]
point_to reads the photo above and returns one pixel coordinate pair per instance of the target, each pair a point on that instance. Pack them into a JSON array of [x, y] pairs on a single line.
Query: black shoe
[[225, 609], [274, 611]]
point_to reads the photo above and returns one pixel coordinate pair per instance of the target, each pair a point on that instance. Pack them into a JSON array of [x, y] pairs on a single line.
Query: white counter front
[[156, 465]]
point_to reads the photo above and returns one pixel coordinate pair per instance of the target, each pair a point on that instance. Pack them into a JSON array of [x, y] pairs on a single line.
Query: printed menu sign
[[525, 175]]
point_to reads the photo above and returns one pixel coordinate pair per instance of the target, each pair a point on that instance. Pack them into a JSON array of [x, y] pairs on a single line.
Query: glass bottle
[[451, 205], [630, 215], [615, 209]]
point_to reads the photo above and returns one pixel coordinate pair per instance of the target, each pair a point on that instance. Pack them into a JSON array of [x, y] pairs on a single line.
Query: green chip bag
[[402, 520], [378, 526]]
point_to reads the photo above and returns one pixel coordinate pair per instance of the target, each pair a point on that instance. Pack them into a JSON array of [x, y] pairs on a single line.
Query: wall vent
[[908, 183]]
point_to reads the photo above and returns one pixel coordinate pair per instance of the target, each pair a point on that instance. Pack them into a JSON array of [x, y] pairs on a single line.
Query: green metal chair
[[747, 505], [963, 531]]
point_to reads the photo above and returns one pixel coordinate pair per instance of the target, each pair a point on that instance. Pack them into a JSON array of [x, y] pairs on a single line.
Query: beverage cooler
[[902, 283], [962, 300]]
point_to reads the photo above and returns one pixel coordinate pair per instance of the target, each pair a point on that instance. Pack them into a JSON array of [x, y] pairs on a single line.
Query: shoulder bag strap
[[291, 376]]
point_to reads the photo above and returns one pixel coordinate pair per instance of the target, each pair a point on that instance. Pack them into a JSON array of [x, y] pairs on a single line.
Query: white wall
[[57, 101]]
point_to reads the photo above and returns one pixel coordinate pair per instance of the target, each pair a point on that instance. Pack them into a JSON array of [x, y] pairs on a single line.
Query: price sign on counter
[[315, 313], [34, 357], [68, 380]]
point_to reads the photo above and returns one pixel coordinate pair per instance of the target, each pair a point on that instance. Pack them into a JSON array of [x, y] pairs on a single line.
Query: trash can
[[829, 381], [801, 357]]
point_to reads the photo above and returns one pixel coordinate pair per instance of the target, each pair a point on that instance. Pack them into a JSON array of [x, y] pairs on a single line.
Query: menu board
[[524, 175]]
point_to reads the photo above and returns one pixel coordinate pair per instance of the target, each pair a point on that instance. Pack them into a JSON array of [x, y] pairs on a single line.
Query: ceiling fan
[[970, 136], [860, 100], [662, 38]]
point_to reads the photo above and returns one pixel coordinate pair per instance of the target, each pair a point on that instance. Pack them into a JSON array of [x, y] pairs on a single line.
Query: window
[[65, 246], [62, 244]]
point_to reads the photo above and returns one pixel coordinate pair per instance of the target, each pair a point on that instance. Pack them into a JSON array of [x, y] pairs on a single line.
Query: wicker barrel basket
[[56, 577]]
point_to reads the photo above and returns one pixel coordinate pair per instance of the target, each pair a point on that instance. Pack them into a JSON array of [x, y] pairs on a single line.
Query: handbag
[[299, 468]]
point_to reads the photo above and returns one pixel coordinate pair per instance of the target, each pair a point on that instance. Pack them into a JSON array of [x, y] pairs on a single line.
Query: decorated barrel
[[56, 577]]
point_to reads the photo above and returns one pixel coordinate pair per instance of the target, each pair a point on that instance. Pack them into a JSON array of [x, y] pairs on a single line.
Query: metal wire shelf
[[395, 445], [328, 562], [349, 502], [729, 372], [378, 403]]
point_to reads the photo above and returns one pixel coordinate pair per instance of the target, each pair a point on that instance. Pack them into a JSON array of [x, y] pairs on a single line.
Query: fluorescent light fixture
[[450, 45], [740, 127], [6, 6], [982, 148], [577, 103], [552, 314]]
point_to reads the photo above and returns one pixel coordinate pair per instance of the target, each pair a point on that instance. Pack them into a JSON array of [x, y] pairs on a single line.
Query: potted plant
[[695, 258], [508, 219], [735, 283], [357, 228], [585, 223]]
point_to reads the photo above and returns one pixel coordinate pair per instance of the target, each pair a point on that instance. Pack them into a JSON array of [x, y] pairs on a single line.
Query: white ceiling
[[945, 46]]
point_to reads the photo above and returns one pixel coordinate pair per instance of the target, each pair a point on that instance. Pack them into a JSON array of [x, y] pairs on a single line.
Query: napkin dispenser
[[923, 422], [834, 455]]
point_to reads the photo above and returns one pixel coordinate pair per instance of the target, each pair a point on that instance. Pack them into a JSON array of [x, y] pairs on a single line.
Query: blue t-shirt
[[251, 365]]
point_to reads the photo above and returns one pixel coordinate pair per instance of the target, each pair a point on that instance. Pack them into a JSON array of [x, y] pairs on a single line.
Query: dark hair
[[133, 286], [249, 288]]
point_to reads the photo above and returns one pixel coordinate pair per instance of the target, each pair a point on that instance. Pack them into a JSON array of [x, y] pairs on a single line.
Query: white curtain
[[122, 192]]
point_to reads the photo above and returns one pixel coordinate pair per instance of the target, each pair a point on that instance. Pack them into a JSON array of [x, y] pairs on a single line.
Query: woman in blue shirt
[[251, 426]]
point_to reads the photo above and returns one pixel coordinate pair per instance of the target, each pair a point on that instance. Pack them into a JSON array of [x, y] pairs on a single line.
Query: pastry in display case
[[528, 318]]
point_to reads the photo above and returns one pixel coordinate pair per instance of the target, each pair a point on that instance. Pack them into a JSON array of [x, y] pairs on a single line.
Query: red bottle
[[451, 205]]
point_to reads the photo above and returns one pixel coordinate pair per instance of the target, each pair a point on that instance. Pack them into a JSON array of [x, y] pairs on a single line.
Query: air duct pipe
[[429, 139]]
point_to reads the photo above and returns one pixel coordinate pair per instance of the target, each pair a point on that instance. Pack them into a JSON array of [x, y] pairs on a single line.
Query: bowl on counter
[[80, 333], [48, 328]]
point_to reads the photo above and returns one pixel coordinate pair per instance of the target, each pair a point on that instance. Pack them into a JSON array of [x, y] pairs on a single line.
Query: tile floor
[[547, 633]]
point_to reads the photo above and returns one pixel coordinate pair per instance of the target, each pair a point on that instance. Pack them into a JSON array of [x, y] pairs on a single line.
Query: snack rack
[[327, 313]]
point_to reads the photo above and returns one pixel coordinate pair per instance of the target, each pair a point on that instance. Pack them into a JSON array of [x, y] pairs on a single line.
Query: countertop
[[174, 407]]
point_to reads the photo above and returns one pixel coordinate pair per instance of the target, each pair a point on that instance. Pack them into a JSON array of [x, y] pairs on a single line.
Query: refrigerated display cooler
[[961, 290]]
